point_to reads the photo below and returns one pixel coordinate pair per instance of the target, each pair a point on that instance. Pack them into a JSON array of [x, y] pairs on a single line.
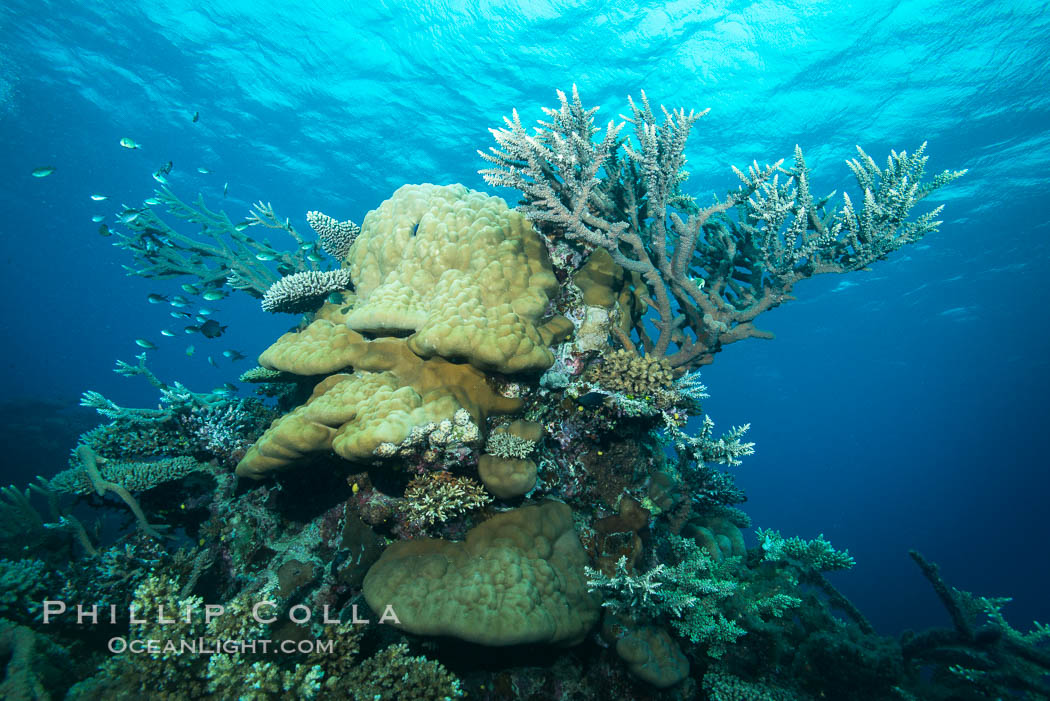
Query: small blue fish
[[145, 344], [212, 362], [191, 329], [314, 257], [99, 198], [159, 177], [129, 143], [204, 311], [155, 298], [266, 256], [181, 315], [191, 289], [152, 201], [97, 218], [189, 350], [234, 355], [43, 171], [199, 319], [203, 171], [212, 329], [165, 332], [225, 189], [213, 295]]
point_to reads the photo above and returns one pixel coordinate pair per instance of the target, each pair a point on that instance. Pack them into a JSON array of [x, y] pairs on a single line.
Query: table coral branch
[[89, 459], [709, 272], [304, 292]]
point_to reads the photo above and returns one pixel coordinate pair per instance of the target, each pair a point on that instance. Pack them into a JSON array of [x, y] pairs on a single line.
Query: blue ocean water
[[904, 407]]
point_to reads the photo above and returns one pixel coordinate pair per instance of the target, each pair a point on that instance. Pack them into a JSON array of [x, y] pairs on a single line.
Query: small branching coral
[[630, 373], [437, 497], [705, 600], [708, 274], [808, 555], [504, 444]]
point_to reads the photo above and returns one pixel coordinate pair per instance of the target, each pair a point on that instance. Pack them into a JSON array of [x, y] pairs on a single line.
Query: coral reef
[[480, 464]]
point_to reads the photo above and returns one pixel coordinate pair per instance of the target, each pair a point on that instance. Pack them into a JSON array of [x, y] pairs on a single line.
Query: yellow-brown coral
[[459, 273], [629, 373], [517, 578], [386, 393], [506, 469]]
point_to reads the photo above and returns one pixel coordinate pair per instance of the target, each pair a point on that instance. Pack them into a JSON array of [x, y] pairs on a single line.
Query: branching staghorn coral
[[22, 525], [221, 254], [708, 275], [166, 424], [646, 595], [504, 444], [703, 448], [988, 657]]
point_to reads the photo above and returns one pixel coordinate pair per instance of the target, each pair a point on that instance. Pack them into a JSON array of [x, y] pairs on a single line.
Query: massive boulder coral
[[381, 396], [460, 274], [517, 578], [442, 275]]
